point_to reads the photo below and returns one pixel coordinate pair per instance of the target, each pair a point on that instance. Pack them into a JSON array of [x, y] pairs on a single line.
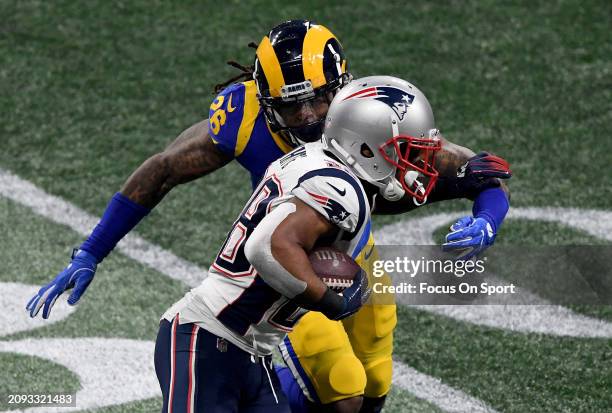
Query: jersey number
[[231, 260], [217, 119]]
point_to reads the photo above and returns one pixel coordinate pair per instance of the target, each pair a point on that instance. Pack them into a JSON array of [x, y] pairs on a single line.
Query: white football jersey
[[234, 302]]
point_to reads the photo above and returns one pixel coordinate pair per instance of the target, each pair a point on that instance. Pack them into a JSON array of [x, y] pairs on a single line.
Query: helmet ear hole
[[366, 151]]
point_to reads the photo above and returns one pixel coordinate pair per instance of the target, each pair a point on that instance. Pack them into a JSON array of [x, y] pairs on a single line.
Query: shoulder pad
[[335, 194], [231, 117]]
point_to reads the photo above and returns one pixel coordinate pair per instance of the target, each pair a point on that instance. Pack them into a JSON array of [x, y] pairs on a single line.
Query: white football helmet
[[383, 128]]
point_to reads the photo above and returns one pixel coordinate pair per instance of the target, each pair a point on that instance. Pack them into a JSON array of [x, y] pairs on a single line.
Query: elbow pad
[[258, 250]]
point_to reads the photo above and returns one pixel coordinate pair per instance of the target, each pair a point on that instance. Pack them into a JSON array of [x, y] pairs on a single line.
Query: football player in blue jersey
[[299, 67]]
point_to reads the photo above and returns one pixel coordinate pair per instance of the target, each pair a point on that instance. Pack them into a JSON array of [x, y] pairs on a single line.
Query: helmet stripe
[[312, 54], [271, 67]]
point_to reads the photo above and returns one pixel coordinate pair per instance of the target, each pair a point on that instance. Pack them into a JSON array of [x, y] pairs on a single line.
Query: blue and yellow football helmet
[[298, 63]]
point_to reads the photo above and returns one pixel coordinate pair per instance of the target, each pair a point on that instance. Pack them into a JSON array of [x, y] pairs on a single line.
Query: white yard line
[[542, 318], [151, 255], [63, 212], [111, 371], [435, 392]]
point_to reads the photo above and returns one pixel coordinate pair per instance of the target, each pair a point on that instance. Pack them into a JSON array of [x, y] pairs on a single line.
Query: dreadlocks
[[247, 73]]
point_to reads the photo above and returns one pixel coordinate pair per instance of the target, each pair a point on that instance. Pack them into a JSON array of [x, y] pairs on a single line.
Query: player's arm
[[464, 174], [278, 249], [192, 155], [448, 161], [476, 178]]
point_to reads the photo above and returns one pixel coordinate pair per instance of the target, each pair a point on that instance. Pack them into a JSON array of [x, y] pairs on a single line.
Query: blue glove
[[355, 296], [78, 274], [469, 236]]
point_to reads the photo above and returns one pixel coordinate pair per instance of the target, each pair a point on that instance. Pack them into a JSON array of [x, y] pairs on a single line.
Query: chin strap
[[411, 178], [393, 191]]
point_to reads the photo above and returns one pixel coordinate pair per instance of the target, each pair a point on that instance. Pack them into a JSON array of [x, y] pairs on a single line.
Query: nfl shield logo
[[221, 345]]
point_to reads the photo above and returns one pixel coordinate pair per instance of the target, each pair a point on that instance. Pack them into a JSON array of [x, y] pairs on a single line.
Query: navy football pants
[[199, 372]]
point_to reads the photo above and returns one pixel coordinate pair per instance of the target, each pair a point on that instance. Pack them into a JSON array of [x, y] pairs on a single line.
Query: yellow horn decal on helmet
[[271, 67], [312, 54]]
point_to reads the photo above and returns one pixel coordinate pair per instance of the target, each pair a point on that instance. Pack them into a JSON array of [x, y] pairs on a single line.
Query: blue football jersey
[[238, 126]]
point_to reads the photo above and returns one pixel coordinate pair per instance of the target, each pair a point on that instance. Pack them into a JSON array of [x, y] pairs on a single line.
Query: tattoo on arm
[[193, 154], [197, 130], [450, 157]]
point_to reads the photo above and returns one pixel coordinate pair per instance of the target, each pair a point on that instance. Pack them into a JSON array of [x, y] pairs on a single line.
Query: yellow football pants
[[335, 360]]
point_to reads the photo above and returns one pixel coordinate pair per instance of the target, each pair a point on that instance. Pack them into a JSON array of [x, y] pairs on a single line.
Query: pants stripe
[[192, 378], [196, 374], [172, 361], [293, 362]]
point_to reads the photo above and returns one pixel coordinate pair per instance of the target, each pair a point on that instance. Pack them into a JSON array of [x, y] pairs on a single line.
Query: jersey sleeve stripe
[[337, 173], [363, 241], [250, 112]]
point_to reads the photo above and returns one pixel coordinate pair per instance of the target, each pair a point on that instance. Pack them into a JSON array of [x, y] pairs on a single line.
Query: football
[[335, 268]]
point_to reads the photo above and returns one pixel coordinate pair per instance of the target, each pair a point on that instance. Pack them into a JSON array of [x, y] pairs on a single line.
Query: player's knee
[[379, 376], [347, 376]]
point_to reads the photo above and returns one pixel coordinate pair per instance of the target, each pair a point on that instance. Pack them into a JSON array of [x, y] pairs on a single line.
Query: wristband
[[491, 204], [331, 304], [120, 217]]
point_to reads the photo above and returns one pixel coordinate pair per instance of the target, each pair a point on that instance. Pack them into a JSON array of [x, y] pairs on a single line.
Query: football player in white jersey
[[214, 346]]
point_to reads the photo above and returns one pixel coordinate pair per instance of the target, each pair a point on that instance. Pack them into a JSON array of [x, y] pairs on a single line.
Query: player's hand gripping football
[[78, 275], [355, 296]]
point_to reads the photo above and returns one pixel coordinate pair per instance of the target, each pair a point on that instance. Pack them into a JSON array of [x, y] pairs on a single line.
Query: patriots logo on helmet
[[397, 99]]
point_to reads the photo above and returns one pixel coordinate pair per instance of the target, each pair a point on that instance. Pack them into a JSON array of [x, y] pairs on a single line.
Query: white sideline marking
[[423, 386], [110, 371]]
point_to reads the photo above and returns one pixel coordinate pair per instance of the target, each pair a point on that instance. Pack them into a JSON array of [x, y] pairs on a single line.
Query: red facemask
[[415, 159]]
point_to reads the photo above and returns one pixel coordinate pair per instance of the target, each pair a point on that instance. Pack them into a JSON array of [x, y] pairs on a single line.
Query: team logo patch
[[230, 108], [335, 210], [396, 98]]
